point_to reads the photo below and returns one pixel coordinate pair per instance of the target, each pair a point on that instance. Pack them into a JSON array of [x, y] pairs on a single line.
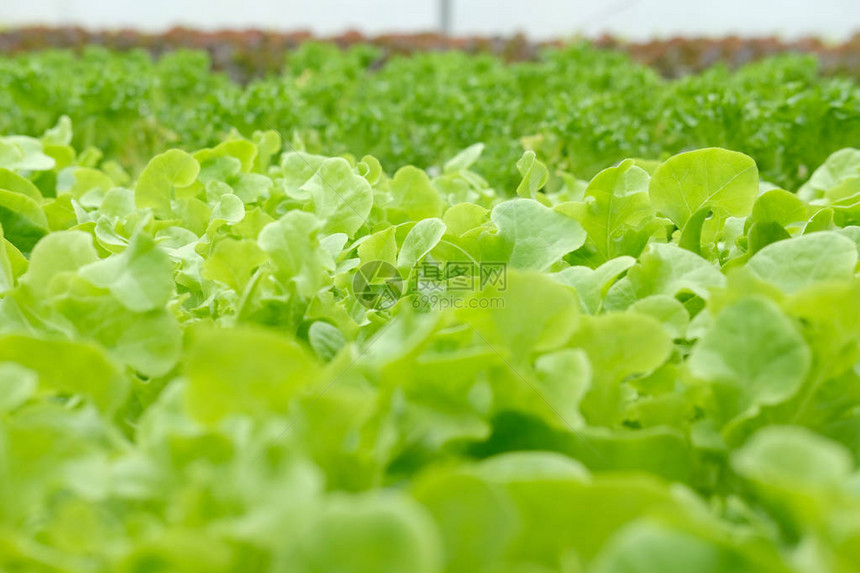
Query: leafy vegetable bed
[[256, 359], [579, 108]]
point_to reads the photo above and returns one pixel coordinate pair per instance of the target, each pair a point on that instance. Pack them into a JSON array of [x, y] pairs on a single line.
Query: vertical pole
[[445, 16]]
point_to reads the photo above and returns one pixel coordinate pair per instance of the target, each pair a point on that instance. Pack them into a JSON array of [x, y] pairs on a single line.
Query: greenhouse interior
[[430, 286]]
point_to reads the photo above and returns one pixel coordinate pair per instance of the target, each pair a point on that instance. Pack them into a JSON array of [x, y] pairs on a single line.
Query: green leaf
[[60, 134], [821, 221], [68, 367], [464, 217], [380, 246], [475, 518], [618, 346], [838, 167], [563, 378], [370, 169], [293, 244], [11, 181], [23, 220], [341, 198], [59, 252], [232, 262], [141, 278], [148, 342], [241, 149], [419, 241], [754, 354], [17, 385], [691, 234], [78, 181], [534, 236], [779, 207], [252, 187], [229, 209], [667, 310], [830, 313], [798, 263], [648, 547], [244, 371], [326, 340], [464, 159], [665, 269], [413, 196], [530, 312], [725, 181], [761, 235], [603, 507], [794, 458], [616, 207], [535, 175], [21, 153], [592, 284], [7, 272], [157, 185], [370, 535]]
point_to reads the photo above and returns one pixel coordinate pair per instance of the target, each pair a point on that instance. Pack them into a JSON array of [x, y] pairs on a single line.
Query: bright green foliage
[[579, 109], [221, 382], [339, 196], [722, 181], [532, 236], [420, 240], [753, 354], [616, 213], [794, 265], [656, 371], [157, 186]]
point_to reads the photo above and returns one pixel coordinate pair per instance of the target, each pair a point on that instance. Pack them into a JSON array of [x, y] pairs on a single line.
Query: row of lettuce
[[189, 383], [248, 54], [580, 108]]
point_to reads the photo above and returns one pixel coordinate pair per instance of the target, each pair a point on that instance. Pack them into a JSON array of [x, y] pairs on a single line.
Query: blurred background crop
[[632, 19]]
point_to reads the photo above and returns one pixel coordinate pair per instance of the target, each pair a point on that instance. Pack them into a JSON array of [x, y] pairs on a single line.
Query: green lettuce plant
[[654, 371]]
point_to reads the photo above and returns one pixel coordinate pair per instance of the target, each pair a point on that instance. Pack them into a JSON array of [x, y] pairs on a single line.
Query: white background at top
[[634, 19]]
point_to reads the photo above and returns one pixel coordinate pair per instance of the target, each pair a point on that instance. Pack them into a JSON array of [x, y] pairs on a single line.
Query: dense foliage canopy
[[255, 357], [580, 109]]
